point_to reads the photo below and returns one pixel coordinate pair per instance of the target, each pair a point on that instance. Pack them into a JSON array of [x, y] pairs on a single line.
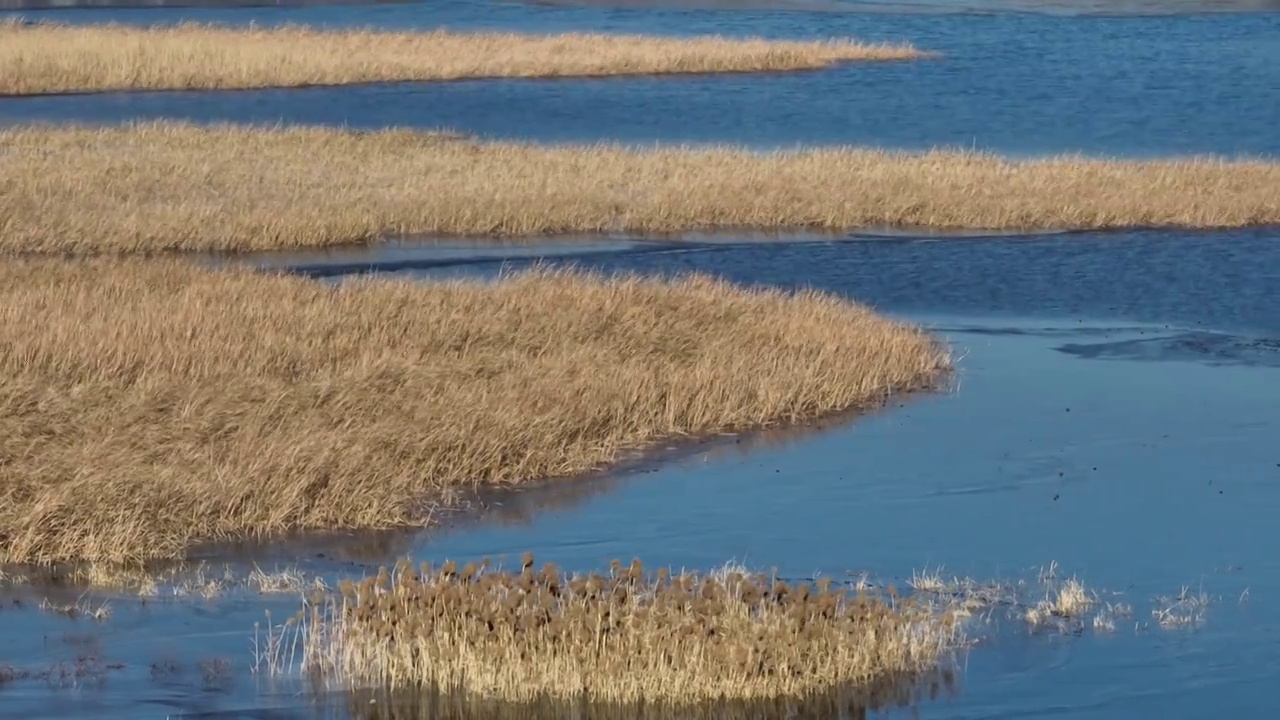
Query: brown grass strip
[[148, 405], [166, 186], [46, 58], [625, 636]]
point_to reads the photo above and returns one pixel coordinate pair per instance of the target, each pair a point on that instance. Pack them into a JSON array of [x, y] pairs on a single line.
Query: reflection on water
[[845, 704]]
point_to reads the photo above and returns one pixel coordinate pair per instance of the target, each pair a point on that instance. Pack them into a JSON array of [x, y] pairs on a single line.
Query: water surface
[[1114, 412]]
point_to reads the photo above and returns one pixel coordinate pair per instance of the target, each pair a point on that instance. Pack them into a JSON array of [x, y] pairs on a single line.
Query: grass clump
[[43, 58], [172, 186], [621, 637], [1069, 601], [146, 405]]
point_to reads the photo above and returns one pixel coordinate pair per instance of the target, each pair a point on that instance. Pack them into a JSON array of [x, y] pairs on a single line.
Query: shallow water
[[1114, 413], [1016, 83]]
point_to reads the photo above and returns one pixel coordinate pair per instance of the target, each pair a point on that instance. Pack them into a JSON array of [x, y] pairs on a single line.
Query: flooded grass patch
[[625, 636], [156, 581], [172, 186], [149, 405], [43, 58], [629, 640]]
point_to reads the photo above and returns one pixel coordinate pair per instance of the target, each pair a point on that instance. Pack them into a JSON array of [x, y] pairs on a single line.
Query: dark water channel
[[1118, 399]]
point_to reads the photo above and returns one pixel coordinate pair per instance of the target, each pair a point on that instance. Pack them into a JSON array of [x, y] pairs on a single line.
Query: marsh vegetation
[[624, 636], [174, 186], [149, 404], [43, 58]]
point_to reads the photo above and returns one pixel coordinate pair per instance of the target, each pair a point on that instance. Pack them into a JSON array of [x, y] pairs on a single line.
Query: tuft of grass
[[624, 636], [148, 405], [291, 581], [1068, 601], [168, 186], [931, 582], [80, 608], [43, 58], [1105, 619], [1184, 610]]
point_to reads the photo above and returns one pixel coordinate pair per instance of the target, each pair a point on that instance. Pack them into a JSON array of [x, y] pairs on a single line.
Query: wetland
[[1082, 506]]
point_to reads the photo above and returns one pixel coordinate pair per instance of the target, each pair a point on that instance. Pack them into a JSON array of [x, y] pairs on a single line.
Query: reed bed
[[149, 404], [170, 186], [623, 637], [42, 58]]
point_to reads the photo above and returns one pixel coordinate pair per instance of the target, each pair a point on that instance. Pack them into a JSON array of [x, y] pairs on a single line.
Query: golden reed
[[44, 58], [621, 637], [170, 186], [147, 405]]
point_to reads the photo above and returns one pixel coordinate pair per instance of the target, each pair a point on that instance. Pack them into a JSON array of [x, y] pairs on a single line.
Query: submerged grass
[[43, 58], [146, 405], [622, 637], [173, 186]]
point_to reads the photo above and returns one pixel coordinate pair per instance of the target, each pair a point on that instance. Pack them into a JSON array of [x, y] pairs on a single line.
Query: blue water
[[1115, 412], [1016, 83], [1141, 478], [1116, 400]]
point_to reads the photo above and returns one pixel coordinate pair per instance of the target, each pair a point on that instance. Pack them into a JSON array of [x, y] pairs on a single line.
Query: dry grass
[[1066, 602], [80, 608], [1185, 610], [168, 186], [149, 404], [620, 637], [49, 58]]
